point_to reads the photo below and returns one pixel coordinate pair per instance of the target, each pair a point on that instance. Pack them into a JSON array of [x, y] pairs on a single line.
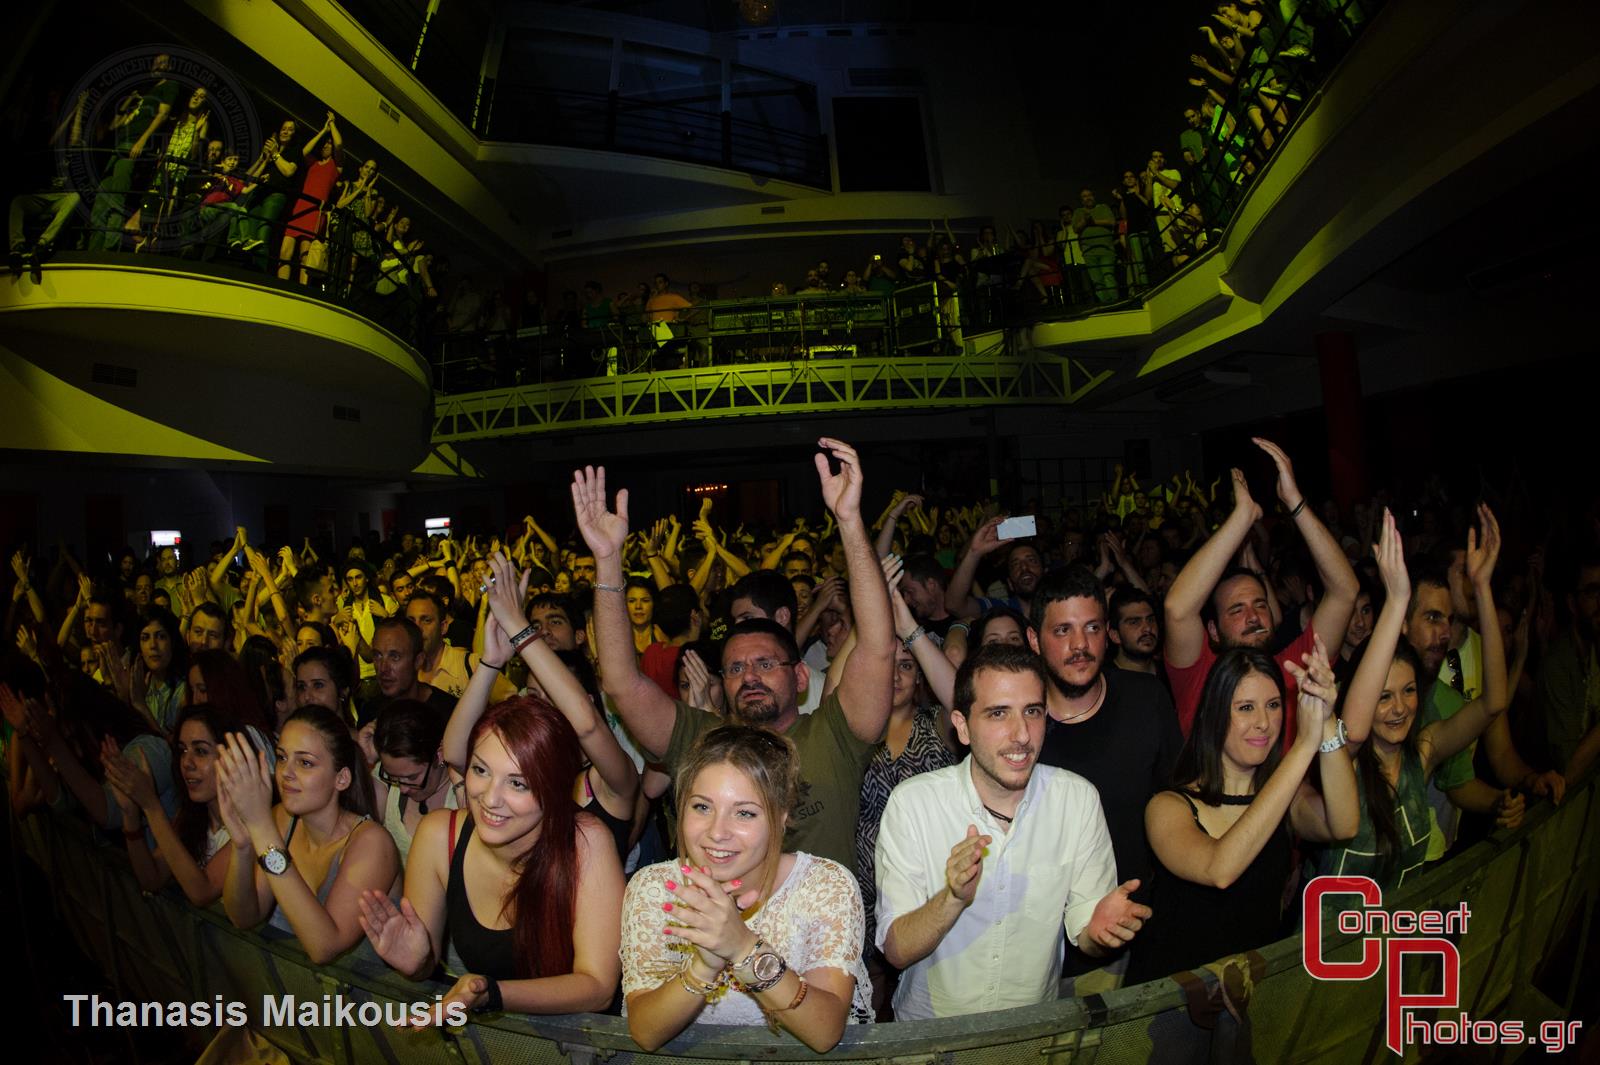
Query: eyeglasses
[[760, 665], [403, 782]]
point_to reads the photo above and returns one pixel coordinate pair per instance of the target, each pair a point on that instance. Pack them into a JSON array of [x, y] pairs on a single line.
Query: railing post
[[727, 139]]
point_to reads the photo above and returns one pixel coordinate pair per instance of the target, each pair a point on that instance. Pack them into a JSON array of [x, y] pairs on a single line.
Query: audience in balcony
[[305, 224]]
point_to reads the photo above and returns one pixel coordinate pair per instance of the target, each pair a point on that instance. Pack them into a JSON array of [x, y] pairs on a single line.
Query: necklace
[[1098, 699], [998, 816]]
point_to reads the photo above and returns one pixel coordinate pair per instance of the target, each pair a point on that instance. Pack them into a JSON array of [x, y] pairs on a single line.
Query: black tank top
[[620, 828], [1193, 924], [484, 951]]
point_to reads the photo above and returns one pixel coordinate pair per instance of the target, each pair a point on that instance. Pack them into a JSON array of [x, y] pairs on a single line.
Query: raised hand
[[841, 491], [905, 623], [85, 589], [13, 708], [892, 565], [395, 932], [26, 643], [507, 592], [1117, 918], [986, 537], [965, 866], [1483, 548], [1390, 554], [1241, 496], [699, 680], [1318, 692], [1288, 490], [602, 529]]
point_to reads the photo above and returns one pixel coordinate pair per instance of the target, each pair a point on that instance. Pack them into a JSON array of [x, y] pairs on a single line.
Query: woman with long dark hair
[[186, 844], [1223, 834], [525, 890], [153, 683], [1398, 759], [607, 784], [302, 864]]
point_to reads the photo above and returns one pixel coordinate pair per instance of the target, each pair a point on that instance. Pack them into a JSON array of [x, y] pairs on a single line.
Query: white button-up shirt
[[1041, 879]]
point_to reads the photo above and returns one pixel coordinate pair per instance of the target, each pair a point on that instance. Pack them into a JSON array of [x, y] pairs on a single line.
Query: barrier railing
[[1530, 893]]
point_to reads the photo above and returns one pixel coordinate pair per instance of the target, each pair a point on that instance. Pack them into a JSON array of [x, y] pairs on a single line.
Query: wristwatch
[[274, 860], [1329, 746], [761, 968]]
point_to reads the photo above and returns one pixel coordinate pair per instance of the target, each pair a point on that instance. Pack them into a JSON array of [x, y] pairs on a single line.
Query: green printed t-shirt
[[1443, 703], [832, 762]]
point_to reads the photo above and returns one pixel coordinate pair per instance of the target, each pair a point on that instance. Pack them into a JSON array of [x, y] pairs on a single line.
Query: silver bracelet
[[597, 586], [916, 634]]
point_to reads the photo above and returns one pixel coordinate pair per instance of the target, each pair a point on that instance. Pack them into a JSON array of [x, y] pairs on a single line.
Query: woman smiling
[[524, 890], [321, 834], [737, 931]]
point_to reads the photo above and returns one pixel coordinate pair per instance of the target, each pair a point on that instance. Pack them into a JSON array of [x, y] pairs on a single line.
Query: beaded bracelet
[[608, 587]]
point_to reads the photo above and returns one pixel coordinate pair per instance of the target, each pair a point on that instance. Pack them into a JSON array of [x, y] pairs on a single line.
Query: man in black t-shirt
[[1117, 729]]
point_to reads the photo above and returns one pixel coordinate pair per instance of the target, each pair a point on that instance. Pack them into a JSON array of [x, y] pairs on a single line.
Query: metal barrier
[[1530, 893]]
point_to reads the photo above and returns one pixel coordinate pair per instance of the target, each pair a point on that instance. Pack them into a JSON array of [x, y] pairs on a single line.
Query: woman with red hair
[[524, 891]]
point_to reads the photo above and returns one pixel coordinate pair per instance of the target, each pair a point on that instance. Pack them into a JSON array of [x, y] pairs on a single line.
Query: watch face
[[767, 967], [275, 861]]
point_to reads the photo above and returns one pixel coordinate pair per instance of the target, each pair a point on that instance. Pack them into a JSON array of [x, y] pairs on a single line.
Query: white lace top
[[814, 920]]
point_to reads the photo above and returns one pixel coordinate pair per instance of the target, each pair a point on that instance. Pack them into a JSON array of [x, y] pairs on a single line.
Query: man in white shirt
[[979, 926]]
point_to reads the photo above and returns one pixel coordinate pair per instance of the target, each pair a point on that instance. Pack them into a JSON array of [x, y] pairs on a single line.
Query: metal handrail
[[175, 225]]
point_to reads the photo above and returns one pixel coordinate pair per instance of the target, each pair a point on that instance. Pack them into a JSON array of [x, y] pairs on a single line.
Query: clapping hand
[[964, 868], [395, 932], [1117, 918], [1318, 692], [1288, 490], [707, 914], [243, 771]]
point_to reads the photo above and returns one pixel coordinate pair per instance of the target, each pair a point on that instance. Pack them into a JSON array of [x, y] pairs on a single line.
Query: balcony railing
[[612, 122]]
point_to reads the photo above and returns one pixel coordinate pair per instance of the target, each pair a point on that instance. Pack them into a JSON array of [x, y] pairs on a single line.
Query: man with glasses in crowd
[[761, 669]]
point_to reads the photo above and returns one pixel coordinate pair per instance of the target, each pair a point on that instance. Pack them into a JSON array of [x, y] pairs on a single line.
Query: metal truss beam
[[699, 393]]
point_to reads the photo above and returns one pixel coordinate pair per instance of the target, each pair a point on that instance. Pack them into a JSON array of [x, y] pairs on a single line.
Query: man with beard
[[1135, 631], [1113, 727], [923, 588], [1430, 627], [1024, 567], [761, 669], [1213, 607], [984, 867]]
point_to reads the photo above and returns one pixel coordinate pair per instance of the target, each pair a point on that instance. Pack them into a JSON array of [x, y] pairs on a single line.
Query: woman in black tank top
[[608, 785], [523, 885], [1221, 836]]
